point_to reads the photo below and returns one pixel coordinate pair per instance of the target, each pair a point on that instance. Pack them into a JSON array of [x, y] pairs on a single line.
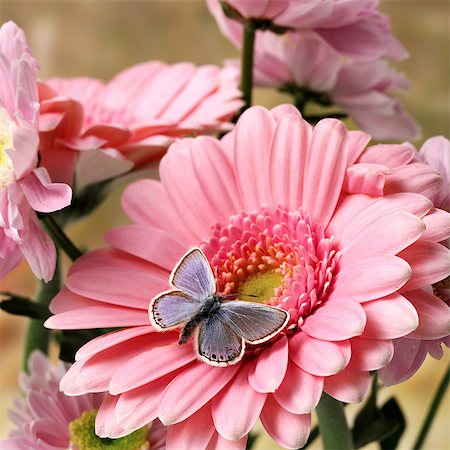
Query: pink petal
[[270, 367], [370, 354], [24, 152], [357, 142], [325, 169], [390, 317], [288, 152], [152, 244], [106, 425], [218, 442], [289, 430], [300, 391], [336, 320], [366, 179], [245, 403], [151, 364], [371, 278], [391, 155], [437, 224], [177, 403], [162, 214], [42, 194], [194, 432], [389, 235], [319, 357], [252, 137], [430, 263], [348, 386], [434, 315]]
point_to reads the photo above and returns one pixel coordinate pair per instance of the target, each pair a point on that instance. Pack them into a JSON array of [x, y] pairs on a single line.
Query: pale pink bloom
[[352, 27], [24, 187], [341, 236], [130, 121], [362, 90], [42, 417], [410, 353]]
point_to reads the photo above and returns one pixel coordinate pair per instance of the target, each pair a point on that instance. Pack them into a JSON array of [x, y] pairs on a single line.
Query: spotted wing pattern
[[171, 309], [193, 275], [254, 322]]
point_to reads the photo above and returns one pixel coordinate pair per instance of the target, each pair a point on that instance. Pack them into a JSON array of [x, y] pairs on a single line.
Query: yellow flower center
[[263, 285], [83, 437], [6, 165]]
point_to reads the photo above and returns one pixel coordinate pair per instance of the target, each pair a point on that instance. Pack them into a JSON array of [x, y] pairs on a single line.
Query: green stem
[[333, 424], [432, 411], [247, 64], [37, 337], [60, 238]]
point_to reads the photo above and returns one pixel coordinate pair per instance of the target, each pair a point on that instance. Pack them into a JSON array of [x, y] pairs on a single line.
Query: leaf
[[21, 306], [391, 410]]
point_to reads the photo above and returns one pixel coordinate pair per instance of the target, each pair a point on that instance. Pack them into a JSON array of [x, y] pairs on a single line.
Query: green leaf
[[391, 410]]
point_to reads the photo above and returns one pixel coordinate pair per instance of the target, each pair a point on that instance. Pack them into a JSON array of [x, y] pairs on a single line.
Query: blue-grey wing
[[217, 344], [193, 275], [171, 309], [254, 322]]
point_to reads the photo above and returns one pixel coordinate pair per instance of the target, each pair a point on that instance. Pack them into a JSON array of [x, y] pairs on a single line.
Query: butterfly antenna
[[240, 295]]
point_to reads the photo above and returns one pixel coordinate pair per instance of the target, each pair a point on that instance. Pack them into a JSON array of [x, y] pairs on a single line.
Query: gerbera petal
[[300, 392], [245, 404], [370, 354], [336, 320], [366, 179], [289, 430], [106, 425], [288, 152], [348, 386], [178, 403], [434, 315], [218, 442], [325, 166], [152, 244], [252, 137], [319, 357], [437, 224], [194, 432], [357, 141], [392, 155], [269, 369], [389, 317], [430, 263], [377, 276]]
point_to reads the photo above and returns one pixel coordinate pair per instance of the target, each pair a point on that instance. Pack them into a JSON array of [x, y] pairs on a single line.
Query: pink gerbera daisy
[[25, 188], [93, 130], [307, 219], [46, 419]]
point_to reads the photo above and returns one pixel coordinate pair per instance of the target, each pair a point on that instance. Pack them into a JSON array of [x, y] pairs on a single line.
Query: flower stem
[[432, 411], [247, 64], [333, 424], [60, 238], [37, 337]]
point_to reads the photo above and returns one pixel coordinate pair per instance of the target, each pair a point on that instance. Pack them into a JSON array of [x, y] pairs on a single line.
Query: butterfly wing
[[217, 344], [170, 309], [193, 275], [254, 322]]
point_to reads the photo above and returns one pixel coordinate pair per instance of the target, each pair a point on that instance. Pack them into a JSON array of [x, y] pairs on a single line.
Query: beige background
[[99, 38]]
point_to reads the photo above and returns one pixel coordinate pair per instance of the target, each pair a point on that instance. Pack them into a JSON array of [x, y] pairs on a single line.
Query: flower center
[[83, 437], [284, 258], [6, 165]]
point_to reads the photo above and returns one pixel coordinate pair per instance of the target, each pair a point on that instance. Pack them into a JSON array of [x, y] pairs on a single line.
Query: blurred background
[[99, 38]]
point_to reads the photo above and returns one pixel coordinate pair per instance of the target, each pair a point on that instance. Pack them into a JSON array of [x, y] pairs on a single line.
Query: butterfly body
[[221, 327]]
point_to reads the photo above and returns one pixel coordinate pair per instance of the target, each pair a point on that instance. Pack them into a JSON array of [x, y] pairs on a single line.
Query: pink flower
[[24, 187], [130, 121], [304, 61], [310, 221], [410, 352], [46, 419], [352, 27]]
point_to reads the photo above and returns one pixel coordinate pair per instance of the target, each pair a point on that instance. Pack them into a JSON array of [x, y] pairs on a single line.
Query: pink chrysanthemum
[[24, 187], [342, 237], [46, 419], [131, 120], [410, 352], [352, 27], [304, 61]]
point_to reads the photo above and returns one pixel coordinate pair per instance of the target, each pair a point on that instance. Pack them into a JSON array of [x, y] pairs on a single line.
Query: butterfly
[[222, 327]]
